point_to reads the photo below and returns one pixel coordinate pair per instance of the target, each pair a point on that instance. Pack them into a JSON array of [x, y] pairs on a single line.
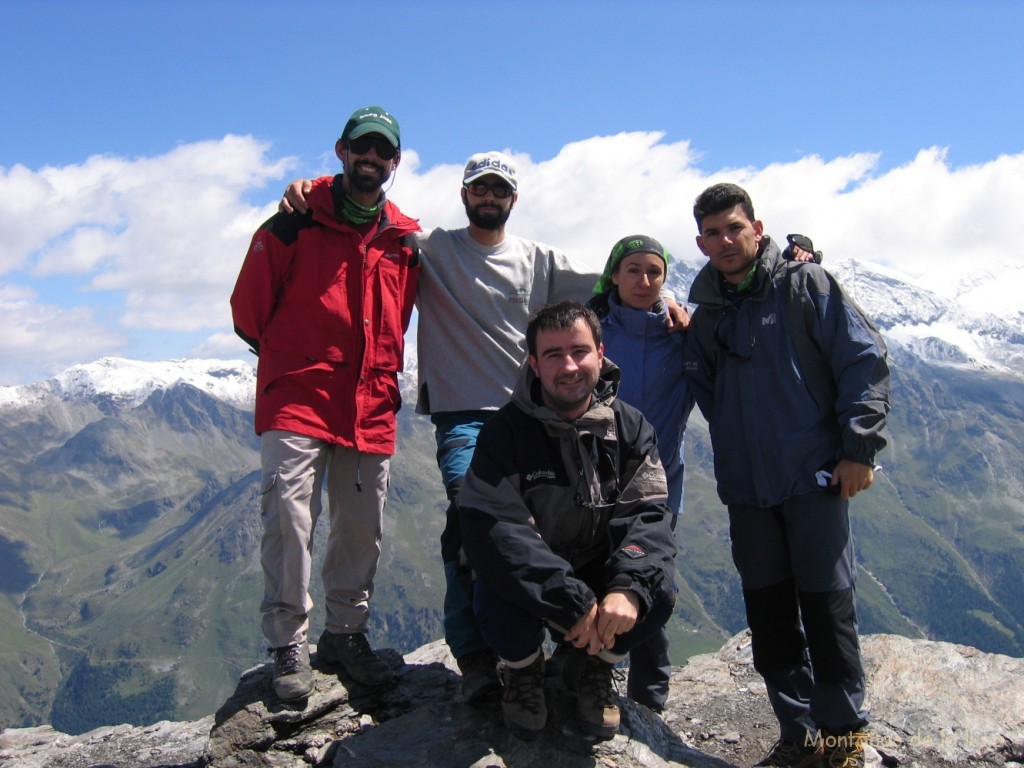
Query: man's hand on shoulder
[[802, 249], [678, 317], [295, 197]]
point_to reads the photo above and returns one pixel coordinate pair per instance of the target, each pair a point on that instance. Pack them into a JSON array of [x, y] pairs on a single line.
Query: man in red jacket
[[324, 299]]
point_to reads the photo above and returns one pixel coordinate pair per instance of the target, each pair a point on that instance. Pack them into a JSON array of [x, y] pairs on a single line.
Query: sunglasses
[[500, 191], [361, 145]]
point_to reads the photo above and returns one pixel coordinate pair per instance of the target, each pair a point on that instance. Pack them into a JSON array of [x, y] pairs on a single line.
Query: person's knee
[[774, 620], [830, 620], [510, 631]]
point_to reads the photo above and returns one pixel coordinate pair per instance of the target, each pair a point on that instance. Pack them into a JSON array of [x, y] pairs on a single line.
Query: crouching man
[[565, 522]]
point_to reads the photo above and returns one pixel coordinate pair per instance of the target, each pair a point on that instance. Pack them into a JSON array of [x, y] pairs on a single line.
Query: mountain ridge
[[931, 327]]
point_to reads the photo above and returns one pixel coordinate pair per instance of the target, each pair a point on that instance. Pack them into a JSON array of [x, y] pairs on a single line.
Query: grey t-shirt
[[474, 303]]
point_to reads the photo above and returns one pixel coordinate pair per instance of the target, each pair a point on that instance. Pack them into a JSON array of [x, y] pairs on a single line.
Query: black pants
[[796, 564]]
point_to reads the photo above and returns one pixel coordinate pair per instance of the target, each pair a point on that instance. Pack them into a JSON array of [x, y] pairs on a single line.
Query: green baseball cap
[[372, 119]]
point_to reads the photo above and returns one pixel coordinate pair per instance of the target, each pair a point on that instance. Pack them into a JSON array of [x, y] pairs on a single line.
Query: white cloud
[[164, 236], [222, 346], [924, 219], [40, 340]]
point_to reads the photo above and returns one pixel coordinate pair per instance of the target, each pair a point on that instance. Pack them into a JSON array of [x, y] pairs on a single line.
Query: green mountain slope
[[129, 545]]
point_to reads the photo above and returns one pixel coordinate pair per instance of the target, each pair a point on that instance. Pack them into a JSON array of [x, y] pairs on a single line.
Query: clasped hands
[[615, 614]]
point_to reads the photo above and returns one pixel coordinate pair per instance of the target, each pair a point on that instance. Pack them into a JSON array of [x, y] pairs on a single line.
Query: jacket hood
[[527, 397], [707, 285]]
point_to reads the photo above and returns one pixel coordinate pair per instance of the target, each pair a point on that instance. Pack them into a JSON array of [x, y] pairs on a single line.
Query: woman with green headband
[[627, 299]]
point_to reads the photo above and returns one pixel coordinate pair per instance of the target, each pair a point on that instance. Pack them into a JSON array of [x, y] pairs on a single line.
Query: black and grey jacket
[[545, 497], [791, 376]]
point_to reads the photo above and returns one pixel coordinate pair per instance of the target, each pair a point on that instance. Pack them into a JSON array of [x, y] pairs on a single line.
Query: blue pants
[[455, 433], [796, 565]]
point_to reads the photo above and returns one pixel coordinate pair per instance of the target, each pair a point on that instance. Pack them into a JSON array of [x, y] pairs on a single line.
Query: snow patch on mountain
[[127, 383], [936, 329]]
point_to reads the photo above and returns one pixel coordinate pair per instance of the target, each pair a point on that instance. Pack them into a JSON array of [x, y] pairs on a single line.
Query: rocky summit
[[934, 705]]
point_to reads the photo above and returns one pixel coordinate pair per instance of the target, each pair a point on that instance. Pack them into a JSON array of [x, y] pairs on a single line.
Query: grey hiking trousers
[[296, 469]]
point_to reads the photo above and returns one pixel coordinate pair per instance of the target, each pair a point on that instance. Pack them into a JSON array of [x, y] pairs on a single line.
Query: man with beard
[[478, 287], [324, 300]]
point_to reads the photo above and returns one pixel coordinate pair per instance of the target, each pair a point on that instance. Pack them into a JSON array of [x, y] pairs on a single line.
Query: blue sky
[[143, 142]]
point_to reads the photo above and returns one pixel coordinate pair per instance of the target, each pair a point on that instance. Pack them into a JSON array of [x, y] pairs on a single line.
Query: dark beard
[[363, 182], [490, 221]]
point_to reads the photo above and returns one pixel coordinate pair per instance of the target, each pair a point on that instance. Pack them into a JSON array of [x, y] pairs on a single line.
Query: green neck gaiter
[[747, 281], [354, 213]]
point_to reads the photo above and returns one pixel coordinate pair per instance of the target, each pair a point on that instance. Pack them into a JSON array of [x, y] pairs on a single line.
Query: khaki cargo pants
[[295, 470]]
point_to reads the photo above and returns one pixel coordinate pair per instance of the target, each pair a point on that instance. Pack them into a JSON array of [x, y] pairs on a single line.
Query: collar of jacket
[[338, 203], [321, 210], [707, 288], [598, 418], [635, 321]]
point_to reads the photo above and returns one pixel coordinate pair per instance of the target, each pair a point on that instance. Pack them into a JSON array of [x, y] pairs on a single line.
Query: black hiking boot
[[480, 680], [353, 653], [844, 750], [293, 677], [791, 754], [590, 678], [522, 698]]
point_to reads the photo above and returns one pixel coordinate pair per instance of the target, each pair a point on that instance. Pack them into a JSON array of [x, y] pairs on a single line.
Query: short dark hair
[[561, 317], [721, 197]]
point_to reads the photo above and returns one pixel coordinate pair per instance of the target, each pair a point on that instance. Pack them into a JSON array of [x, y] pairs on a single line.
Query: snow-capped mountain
[[933, 328], [129, 382], [929, 326]]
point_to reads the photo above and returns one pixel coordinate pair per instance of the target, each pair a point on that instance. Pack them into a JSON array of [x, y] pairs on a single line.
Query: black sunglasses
[[500, 191], [361, 145]]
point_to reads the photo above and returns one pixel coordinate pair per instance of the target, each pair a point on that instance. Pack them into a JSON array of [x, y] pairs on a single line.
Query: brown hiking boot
[[844, 750], [293, 677], [590, 678], [522, 700], [792, 754], [354, 654], [480, 679]]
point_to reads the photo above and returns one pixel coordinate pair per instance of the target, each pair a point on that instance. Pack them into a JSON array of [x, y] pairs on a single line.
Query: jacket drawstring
[[359, 479]]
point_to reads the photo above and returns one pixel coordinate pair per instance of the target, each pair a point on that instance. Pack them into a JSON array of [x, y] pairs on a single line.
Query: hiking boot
[[353, 653], [844, 750], [792, 754], [480, 680], [590, 678], [522, 698], [293, 677]]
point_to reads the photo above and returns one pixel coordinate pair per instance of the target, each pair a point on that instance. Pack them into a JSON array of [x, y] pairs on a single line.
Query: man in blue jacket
[[792, 378]]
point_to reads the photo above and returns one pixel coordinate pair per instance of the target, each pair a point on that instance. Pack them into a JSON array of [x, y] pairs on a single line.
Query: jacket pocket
[[388, 344]]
